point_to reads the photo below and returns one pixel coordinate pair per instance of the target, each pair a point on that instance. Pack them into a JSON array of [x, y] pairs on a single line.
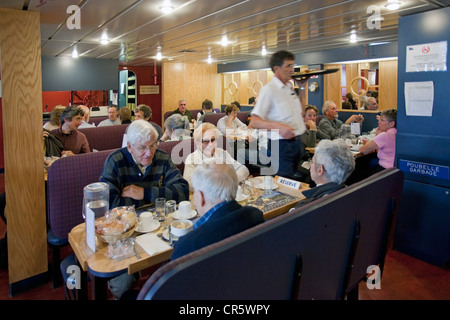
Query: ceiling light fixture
[[158, 55], [353, 38], [263, 50], [166, 7], [74, 53], [104, 39], [209, 59], [393, 4], [224, 41]]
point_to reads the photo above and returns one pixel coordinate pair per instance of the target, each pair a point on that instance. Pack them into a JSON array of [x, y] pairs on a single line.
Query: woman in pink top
[[384, 140]]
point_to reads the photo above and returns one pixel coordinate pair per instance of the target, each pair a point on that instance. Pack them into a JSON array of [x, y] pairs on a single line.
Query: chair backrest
[[105, 138], [319, 251], [213, 117], [319, 118], [243, 115], [97, 120], [66, 179]]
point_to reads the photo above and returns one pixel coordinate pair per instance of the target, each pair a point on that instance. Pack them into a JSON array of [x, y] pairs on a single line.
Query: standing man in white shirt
[[279, 110]]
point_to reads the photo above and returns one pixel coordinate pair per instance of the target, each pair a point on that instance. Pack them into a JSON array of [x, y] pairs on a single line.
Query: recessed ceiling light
[[104, 39], [166, 9], [224, 41], [74, 53], [263, 50], [393, 4]]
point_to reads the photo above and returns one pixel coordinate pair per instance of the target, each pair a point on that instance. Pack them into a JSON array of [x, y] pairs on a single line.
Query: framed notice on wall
[[427, 57], [148, 89]]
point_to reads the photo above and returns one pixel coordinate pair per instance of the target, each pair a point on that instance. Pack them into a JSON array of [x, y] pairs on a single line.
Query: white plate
[[165, 235], [155, 226], [176, 215], [261, 186]]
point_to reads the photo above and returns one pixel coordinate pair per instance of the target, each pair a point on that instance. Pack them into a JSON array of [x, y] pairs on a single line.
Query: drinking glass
[[160, 209], [96, 198], [171, 207]]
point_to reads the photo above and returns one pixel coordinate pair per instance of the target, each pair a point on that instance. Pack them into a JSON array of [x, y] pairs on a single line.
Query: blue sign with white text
[[425, 169]]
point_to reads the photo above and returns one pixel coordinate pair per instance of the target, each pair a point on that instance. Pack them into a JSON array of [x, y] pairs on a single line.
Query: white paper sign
[[355, 128], [419, 98], [289, 183], [90, 229], [427, 57]]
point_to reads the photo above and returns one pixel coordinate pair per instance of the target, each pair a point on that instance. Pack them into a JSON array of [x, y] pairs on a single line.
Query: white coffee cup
[[180, 227], [268, 182], [184, 209], [146, 220]]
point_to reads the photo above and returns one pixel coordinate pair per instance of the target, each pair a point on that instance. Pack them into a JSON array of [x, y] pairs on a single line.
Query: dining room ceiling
[[137, 29]]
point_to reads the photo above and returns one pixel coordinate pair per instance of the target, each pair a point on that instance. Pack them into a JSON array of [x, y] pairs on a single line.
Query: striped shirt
[[161, 179]]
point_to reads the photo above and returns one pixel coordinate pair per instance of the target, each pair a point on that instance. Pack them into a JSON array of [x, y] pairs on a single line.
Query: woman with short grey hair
[[331, 165], [337, 160], [177, 127]]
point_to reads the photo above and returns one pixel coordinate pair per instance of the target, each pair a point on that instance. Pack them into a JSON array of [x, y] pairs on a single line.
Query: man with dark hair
[[207, 107], [279, 109], [144, 112], [74, 141]]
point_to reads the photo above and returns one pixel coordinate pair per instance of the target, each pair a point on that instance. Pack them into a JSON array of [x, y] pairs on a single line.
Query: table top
[[99, 264]]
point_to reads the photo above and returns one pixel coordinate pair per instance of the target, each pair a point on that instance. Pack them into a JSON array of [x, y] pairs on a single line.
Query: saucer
[[165, 235], [176, 215], [154, 226]]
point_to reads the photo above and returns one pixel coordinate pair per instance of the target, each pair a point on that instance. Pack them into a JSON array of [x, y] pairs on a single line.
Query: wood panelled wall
[[194, 82], [387, 97], [239, 86], [20, 64]]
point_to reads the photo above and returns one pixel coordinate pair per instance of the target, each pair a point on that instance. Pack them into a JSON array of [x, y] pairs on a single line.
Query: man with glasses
[[140, 173], [330, 125], [279, 109], [182, 109], [331, 165], [113, 120]]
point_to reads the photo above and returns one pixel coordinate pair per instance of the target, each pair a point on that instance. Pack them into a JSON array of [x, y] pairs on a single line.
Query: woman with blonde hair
[[206, 138], [54, 121]]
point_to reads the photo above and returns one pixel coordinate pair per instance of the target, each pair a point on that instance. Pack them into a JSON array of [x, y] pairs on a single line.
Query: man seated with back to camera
[[215, 187], [331, 165]]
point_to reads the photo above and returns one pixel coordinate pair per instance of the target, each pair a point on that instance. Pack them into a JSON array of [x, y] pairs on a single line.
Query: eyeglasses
[[311, 161], [206, 142], [143, 149], [182, 104]]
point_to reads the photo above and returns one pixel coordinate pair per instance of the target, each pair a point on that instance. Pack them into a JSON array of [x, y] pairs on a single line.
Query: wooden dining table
[[101, 268]]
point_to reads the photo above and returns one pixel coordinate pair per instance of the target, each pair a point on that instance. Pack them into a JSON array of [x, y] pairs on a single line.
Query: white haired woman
[[206, 138], [331, 165], [177, 128]]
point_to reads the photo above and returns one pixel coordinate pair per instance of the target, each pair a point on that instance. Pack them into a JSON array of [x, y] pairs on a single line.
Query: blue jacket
[[228, 220]]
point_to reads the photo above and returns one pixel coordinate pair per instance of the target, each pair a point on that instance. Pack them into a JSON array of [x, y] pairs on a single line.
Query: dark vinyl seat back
[[65, 182], [105, 138], [320, 241]]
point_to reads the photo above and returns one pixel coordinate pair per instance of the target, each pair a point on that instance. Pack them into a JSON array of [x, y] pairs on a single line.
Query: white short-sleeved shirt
[[279, 102]]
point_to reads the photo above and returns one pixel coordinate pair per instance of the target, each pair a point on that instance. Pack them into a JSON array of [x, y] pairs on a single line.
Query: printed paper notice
[[427, 57], [419, 98], [355, 128], [90, 229]]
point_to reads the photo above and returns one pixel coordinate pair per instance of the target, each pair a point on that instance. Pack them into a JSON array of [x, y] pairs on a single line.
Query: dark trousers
[[289, 152]]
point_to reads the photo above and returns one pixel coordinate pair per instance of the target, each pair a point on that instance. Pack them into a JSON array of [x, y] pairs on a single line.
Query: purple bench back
[[105, 138], [65, 182], [320, 251]]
